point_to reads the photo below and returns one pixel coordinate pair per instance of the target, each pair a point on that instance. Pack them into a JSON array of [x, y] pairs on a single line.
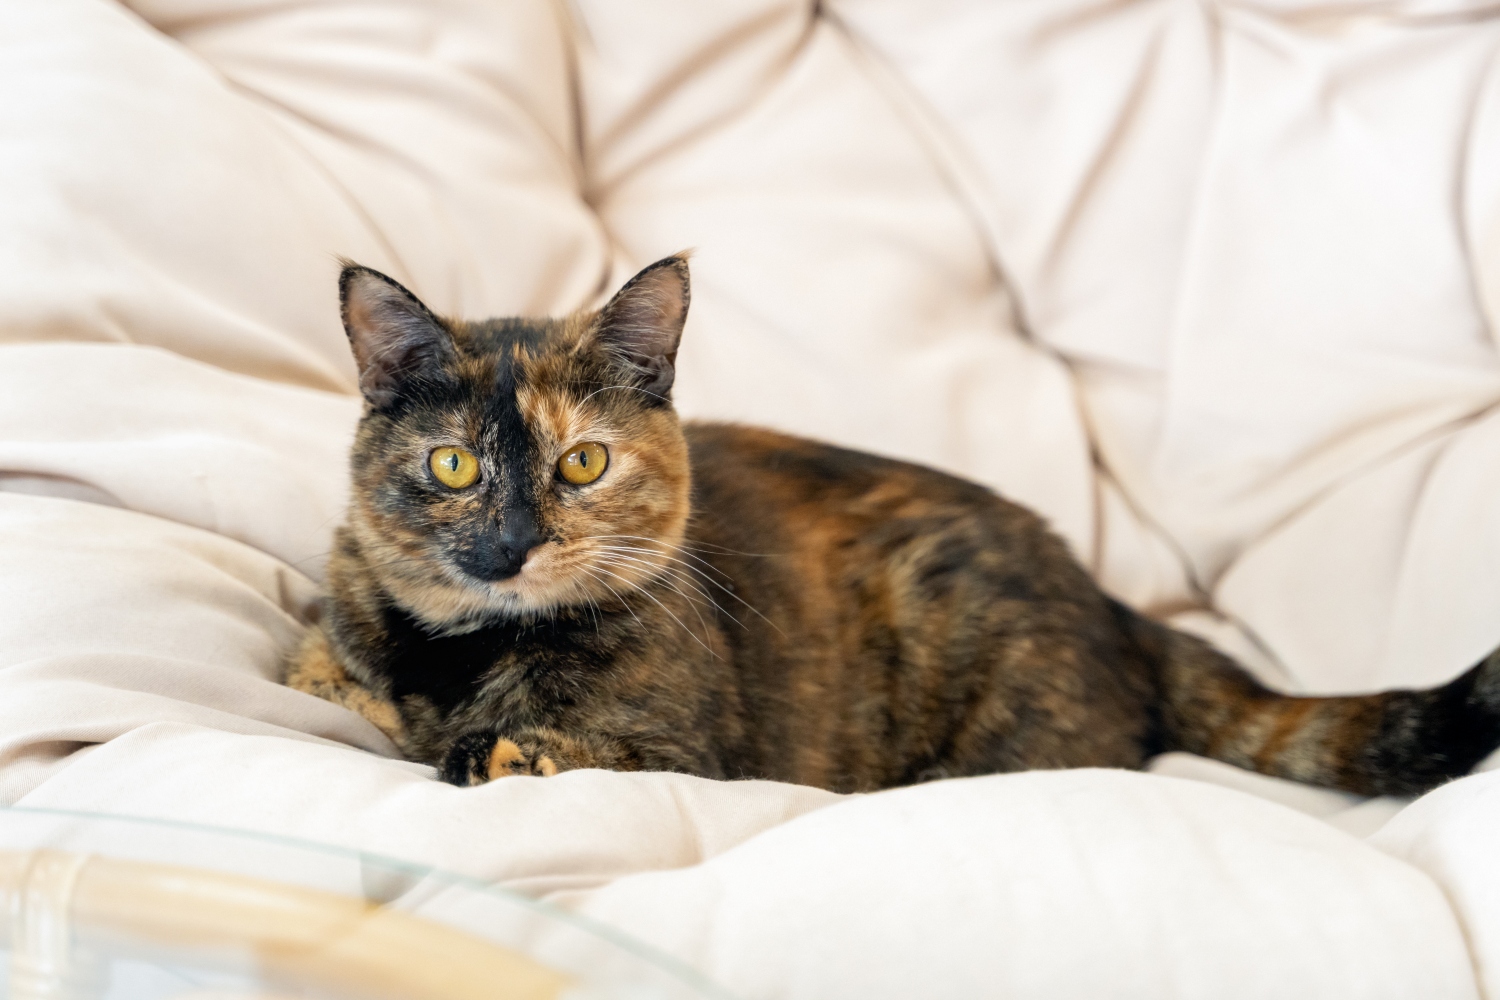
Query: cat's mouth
[[556, 575]]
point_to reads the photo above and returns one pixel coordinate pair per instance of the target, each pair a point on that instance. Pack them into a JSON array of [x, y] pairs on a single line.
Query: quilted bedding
[[1210, 283]]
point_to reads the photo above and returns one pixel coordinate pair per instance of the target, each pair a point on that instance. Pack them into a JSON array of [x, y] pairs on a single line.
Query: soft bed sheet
[[1211, 285]]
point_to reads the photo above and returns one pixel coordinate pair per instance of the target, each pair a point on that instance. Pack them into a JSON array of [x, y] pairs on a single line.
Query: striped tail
[[1393, 743]]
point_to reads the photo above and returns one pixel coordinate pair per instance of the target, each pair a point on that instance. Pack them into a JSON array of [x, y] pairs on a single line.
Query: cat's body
[[732, 602]]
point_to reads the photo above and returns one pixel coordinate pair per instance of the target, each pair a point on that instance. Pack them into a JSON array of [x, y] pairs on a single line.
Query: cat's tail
[[1392, 743]]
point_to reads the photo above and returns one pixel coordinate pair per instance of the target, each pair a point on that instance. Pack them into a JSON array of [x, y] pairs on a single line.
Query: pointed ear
[[641, 326], [394, 336]]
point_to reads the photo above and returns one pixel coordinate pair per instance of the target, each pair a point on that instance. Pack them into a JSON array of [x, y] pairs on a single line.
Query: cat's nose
[[511, 551], [499, 555]]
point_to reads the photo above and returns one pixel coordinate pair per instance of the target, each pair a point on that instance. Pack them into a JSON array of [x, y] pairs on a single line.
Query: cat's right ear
[[394, 336]]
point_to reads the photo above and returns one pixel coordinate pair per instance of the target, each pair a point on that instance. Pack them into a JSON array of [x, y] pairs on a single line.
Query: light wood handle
[[296, 935]]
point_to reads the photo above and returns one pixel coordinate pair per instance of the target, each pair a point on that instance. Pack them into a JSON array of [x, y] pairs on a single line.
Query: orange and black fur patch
[[542, 569]]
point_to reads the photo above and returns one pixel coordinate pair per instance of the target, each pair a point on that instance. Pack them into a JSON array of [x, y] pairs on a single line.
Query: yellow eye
[[454, 467], [583, 463]]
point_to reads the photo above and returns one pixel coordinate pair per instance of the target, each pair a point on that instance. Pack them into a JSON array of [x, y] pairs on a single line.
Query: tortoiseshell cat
[[543, 569]]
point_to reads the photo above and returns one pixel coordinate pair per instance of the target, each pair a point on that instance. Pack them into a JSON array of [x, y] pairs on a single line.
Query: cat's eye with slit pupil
[[583, 463], [455, 468]]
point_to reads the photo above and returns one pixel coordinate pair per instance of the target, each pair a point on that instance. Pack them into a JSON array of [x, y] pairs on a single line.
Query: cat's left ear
[[641, 326], [396, 339]]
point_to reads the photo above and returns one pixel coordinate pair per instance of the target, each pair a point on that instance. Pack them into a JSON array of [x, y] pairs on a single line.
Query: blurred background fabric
[[1211, 284]]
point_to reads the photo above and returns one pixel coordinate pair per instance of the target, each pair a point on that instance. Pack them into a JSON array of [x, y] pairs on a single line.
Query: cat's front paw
[[315, 670], [480, 757]]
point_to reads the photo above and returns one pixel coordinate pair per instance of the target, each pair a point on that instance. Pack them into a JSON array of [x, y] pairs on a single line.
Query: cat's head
[[509, 467]]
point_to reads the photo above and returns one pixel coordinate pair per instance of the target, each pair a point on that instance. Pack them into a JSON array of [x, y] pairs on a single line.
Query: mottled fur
[[732, 602]]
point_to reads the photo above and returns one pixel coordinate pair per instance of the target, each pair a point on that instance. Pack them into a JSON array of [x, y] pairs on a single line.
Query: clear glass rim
[[674, 967]]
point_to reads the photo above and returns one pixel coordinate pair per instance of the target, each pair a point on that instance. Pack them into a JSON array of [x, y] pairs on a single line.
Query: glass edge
[[620, 939]]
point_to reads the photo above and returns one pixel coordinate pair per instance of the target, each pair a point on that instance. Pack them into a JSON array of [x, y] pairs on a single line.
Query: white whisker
[[617, 560], [653, 597], [603, 583], [634, 388], [671, 576], [701, 573]]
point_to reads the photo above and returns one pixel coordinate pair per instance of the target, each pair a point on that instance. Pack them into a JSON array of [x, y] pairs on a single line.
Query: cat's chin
[[468, 603]]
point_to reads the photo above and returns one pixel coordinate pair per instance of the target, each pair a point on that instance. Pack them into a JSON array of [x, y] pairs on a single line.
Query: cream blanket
[[1212, 284]]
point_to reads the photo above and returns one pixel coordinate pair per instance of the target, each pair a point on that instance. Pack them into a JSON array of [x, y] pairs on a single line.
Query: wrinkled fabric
[[1209, 285]]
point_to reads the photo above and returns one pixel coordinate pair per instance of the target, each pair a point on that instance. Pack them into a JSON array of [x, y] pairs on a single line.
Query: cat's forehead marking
[[505, 427], [547, 392], [552, 415]]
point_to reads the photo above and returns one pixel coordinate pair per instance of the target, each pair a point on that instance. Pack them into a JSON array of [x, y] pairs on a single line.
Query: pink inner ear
[[391, 333], [657, 300], [361, 309], [646, 316]]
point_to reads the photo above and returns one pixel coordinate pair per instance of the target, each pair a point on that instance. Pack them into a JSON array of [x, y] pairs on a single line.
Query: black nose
[[500, 554]]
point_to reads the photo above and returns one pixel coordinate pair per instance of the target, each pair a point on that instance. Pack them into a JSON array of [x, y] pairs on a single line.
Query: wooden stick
[[295, 935]]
